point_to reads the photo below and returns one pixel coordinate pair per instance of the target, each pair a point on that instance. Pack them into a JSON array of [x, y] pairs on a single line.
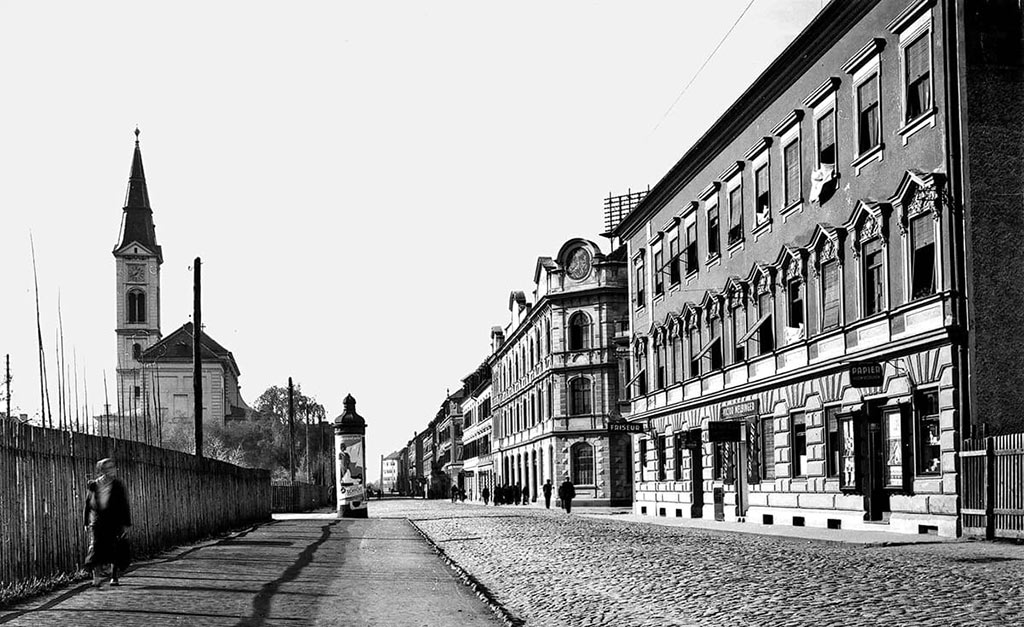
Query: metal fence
[[175, 498], [300, 497], [992, 489]]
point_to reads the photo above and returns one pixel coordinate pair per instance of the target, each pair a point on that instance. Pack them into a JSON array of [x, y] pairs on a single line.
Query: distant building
[[389, 472], [555, 383], [154, 374], [477, 465]]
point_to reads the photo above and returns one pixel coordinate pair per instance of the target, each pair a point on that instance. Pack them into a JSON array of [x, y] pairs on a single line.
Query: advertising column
[[350, 444]]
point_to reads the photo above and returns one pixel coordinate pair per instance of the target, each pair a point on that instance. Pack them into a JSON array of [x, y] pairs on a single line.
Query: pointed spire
[[137, 225]]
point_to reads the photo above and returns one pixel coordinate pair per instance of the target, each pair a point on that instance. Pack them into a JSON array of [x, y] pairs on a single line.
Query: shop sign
[[725, 431], [741, 410], [626, 427], [866, 374]]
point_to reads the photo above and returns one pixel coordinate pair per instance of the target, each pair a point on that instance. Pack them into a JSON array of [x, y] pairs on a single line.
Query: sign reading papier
[[351, 465]]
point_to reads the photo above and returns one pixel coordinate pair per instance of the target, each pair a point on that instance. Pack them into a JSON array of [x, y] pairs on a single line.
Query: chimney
[[497, 338]]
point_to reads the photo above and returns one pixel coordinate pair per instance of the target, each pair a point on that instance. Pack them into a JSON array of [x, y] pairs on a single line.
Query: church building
[[154, 373]]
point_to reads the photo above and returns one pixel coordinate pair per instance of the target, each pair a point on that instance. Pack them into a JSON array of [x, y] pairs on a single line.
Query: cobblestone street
[[548, 568]]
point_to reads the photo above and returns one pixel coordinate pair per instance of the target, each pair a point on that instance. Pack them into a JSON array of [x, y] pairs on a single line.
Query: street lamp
[[350, 443]]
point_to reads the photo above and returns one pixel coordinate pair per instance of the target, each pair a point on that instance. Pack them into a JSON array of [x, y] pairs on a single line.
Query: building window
[[766, 323], [791, 162], [917, 63], [673, 258], [832, 450], [714, 352], [922, 261], [660, 352], [136, 306], [579, 396], [713, 235], [677, 456], [547, 335], [582, 460], [136, 351], [874, 277], [138, 392], [691, 247], [763, 203], [929, 442], [662, 454], [551, 401], [767, 449], [795, 303], [829, 295], [718, 461], [739, 329], [869, 134], [641, 283], [659, 273], [735, 215], [579, 331], [694, 351], [798, 444], [827, 138]]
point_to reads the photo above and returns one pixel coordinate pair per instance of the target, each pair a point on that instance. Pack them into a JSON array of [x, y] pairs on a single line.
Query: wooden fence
[[300, 497], [992, 489], [175, 498]]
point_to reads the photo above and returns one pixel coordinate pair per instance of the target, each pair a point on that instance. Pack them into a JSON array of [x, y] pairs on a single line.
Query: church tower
[[138, 258]]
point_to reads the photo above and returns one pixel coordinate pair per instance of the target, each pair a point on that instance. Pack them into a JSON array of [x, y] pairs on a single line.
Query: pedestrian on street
[[566, 493], [547, 494], [526, 495], [462, 495], [517, 493], [455, 493], [486, 494], [107, 516]]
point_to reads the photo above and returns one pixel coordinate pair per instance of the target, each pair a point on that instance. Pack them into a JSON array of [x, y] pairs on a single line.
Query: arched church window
[[582, 460], [136, 306], [579, 331], [136, 351]]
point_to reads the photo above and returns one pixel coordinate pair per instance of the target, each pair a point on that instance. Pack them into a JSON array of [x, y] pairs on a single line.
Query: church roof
[[177, 347], [137, 220]]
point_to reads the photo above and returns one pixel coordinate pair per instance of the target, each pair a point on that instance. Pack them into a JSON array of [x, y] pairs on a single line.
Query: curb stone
[[470, 581]]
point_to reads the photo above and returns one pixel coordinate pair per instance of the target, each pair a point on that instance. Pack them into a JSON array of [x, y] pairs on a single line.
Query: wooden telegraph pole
[[291, 430], [7, 382], [197, 356]]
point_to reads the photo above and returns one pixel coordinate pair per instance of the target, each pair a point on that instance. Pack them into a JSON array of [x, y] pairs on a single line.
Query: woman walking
[[107, 517]]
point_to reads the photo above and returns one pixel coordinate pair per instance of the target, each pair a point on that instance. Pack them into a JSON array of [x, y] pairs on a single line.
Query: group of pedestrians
[[518, 494]]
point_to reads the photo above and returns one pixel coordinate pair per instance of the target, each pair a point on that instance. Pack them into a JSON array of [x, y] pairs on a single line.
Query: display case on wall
[[849, 450]]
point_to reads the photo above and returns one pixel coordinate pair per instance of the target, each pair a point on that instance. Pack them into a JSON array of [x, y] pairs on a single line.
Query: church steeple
[[137, 222]]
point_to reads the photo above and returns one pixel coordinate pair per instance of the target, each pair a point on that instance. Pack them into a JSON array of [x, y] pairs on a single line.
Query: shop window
[[767, 449], [673, 261], [582, 464], [791, 163], [662, 455], [579, 396], [579, 331], [927, 429], [832, 451], [917, 64], [643, 453], [830, 295], [678, 448], [874, 276], [922, 262], [762, 192], [798, 444], [868, 115], [713, 231], [735, 215], [659, 273]]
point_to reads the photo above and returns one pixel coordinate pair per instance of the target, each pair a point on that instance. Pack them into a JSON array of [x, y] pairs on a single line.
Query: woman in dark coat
[[107, 517]]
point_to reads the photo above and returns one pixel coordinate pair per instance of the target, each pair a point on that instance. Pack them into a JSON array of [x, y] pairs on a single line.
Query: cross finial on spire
[[137, 131]]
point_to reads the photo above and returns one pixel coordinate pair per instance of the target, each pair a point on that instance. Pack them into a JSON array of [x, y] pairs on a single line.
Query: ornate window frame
[[826, 247], [870, 222]]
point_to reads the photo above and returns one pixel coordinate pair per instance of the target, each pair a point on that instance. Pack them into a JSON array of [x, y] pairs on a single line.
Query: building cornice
[[834, 21]]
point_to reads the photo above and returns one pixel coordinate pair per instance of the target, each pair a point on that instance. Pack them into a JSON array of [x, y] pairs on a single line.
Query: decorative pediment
[[690, 315], [827, 244], [674, 323], [791, 263], [657, 333], [711, 305], [735, 291], [869, 219], [640, 346], [761, 278], [917, 193]]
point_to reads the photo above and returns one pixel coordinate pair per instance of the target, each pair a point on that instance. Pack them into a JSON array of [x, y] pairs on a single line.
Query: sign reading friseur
[[626, 427]]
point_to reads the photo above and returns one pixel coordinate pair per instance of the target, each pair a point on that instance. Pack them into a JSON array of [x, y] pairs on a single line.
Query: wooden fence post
[[990, 488]]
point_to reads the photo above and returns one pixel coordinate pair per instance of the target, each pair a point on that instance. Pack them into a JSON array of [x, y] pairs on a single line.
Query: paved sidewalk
[[299, 570]]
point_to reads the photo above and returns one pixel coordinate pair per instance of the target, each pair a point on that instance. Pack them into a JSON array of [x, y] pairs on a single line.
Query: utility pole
[[291, 430], [7, 382], [381, 486], [197, 356], [309, 466]]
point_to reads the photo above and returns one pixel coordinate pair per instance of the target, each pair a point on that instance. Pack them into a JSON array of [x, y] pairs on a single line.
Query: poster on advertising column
[[351, 464]]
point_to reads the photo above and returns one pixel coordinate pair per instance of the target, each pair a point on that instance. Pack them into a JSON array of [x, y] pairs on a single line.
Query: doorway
[[876, 497], [693, 441]]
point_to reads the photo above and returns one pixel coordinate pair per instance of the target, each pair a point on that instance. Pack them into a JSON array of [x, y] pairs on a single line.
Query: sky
[[365, 183]]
